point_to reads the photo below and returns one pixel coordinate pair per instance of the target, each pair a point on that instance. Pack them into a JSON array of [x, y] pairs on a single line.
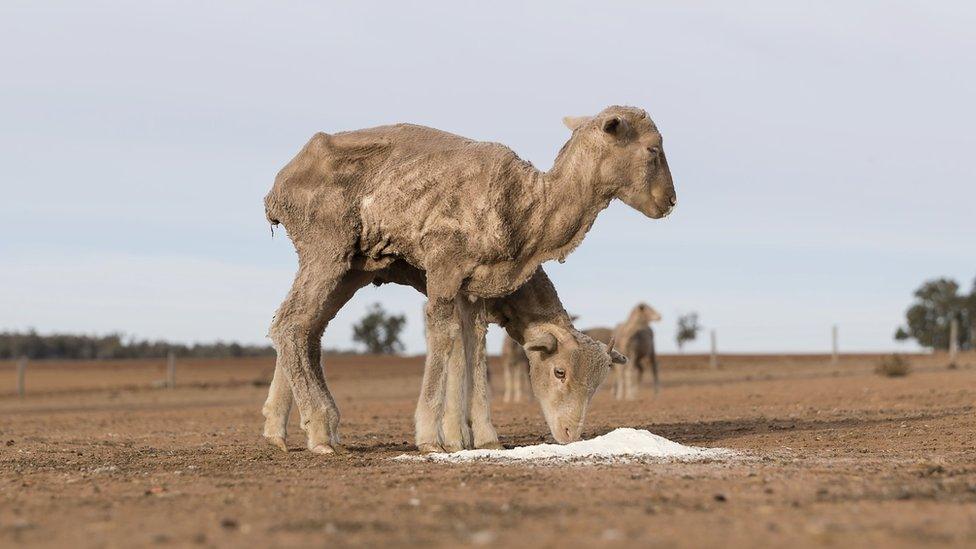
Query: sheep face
[[566, 368], [629, 154], [646, 313]]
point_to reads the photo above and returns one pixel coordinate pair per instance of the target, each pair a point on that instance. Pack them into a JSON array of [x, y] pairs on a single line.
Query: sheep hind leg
[[630, 385], [517, 382], [297, 336], [278, 404], [276, 409]]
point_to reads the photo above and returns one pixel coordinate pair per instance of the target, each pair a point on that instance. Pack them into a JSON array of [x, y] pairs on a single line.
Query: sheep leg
[[278, 404], [654, 372], [516, 381], [507, 374], [276, 409], [455, 429], [442, 331], [483, 431], [613, 380], [297, 336], [624, 370], [618, 381], [630, 388]]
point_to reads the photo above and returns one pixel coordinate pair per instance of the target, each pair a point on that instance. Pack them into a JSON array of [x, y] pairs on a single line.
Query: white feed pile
[[620, 443]]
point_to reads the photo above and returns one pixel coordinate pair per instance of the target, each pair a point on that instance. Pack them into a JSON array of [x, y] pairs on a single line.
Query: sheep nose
[[674, 199]]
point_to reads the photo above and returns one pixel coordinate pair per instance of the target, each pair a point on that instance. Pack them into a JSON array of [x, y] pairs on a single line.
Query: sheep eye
[[653, 150], [559, 373]]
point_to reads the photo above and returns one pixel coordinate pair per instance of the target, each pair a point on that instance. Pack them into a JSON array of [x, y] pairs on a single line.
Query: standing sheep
[[636, 339], [476, 219]]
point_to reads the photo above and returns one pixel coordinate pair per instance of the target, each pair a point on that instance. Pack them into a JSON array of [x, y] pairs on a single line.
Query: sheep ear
[[545, 343], [617, 358], [574, 122], [612, 125]]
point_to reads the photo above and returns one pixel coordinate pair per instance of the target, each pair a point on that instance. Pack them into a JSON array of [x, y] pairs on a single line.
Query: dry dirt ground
[[94, 456]]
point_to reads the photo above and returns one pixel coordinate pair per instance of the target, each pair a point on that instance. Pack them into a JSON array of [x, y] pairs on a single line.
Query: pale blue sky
[[822, 153]]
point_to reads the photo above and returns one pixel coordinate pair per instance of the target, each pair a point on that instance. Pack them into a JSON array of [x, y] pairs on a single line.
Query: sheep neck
[[567, 202]]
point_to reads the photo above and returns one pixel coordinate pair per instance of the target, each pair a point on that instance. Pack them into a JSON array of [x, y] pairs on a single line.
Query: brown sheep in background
[[636, 339]]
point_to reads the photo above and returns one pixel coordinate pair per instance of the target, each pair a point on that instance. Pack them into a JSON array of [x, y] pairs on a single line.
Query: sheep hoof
[[453, 447], [491, 445], [322, 449], [430, 448], [277, 442]]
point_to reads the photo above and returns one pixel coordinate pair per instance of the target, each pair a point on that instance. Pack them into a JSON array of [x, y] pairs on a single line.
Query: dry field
[[96, 457]]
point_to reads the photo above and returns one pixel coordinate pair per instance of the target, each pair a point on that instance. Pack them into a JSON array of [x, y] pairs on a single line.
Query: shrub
[[380, 332], [893, 366]]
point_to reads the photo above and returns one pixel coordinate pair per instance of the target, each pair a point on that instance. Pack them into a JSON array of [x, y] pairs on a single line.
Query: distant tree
[[70, 346], [937, 302], [379, 332], [688, 328]]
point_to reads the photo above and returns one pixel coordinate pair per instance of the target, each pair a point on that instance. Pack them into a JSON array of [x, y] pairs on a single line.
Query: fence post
[[833, 353], [953, 340], [21, 377], [713, 360], [171, 370]]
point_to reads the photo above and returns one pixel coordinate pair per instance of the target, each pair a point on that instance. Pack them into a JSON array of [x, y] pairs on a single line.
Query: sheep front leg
[[442, 331], [483, 431], [455, 427]]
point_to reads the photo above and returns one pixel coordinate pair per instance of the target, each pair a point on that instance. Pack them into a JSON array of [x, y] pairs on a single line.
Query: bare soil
[[95, 456]]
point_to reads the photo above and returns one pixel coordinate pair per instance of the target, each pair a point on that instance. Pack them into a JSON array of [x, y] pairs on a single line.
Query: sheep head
[[566, 368], [645, 313], [629, 155]]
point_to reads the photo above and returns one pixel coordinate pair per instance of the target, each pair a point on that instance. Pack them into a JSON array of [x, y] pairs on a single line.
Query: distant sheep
[[636, 339]]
